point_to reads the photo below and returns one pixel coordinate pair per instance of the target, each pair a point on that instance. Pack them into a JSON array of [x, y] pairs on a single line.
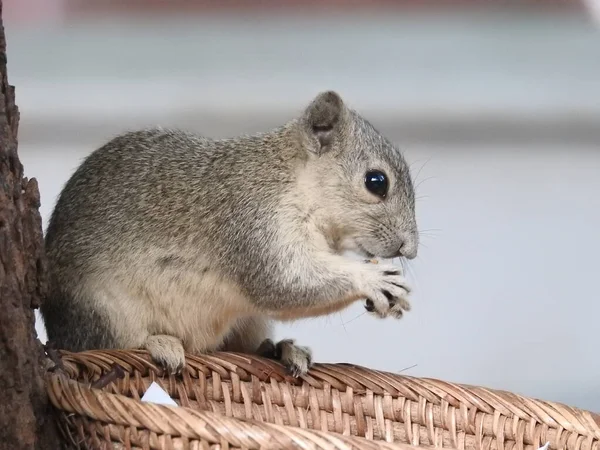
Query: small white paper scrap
[[545, 446], [156, 394]]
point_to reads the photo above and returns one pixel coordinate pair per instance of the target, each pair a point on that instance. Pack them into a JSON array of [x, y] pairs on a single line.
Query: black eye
[[376, 183]]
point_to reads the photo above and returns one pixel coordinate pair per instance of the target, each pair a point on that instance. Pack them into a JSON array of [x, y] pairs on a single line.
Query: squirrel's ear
[[322, 120]]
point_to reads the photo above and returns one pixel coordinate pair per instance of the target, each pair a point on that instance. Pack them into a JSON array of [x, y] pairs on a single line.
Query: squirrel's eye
[[376, 183]]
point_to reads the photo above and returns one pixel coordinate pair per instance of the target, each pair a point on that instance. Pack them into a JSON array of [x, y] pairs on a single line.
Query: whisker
[[410, 271], [415, 162], [377, 220], [352, 320], [408, 368], [424, 164], [342, 322], [423, 181], [403, 264]]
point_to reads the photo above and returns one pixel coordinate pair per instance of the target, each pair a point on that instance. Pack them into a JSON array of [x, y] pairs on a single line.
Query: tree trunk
[[25, 417]]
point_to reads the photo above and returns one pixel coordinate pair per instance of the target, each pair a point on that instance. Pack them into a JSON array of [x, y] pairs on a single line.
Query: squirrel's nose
[[408, 248]]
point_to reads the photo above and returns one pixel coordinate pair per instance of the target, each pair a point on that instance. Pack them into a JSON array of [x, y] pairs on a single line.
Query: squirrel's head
[[359, 186]]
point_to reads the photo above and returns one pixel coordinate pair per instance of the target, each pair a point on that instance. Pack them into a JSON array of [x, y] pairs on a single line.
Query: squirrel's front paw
[[297, 360], [387, 292]]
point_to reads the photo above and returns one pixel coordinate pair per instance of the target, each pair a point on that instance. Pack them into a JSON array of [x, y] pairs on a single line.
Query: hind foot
[[296, 360]]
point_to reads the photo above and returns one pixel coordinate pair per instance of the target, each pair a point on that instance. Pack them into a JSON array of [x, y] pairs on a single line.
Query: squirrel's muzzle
[[409, 244]]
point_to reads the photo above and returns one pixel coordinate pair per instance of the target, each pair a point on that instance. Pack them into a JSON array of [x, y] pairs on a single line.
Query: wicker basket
[[243, 402]]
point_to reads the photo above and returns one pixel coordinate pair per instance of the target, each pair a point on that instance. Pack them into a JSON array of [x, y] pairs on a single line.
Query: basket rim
[[73, 397], [458, 407], [338, 375]]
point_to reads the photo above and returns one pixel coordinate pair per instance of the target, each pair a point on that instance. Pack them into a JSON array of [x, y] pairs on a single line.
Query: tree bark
[[25, 416]]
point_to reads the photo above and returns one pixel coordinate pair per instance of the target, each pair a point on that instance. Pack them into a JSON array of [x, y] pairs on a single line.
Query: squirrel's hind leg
[[247, 334], [296, 359], [253, 335]]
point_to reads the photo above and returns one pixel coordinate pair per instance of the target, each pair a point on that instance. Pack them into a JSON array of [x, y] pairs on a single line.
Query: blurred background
[[496, 105]]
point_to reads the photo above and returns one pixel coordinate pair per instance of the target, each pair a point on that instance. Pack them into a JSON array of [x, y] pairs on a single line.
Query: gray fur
[[166, 233]]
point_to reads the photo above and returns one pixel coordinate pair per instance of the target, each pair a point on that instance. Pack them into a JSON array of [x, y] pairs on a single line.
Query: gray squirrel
[[171, 242]]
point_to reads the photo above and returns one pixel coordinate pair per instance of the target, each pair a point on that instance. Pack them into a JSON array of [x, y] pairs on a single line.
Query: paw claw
[[386, 293], [392, 272], [294, 370], [404, 304]]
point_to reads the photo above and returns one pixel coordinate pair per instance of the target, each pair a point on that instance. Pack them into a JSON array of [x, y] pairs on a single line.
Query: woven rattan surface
[[344, 399], [96, 419]]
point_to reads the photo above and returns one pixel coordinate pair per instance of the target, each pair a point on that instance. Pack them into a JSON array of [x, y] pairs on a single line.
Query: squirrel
[[172, 242]]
